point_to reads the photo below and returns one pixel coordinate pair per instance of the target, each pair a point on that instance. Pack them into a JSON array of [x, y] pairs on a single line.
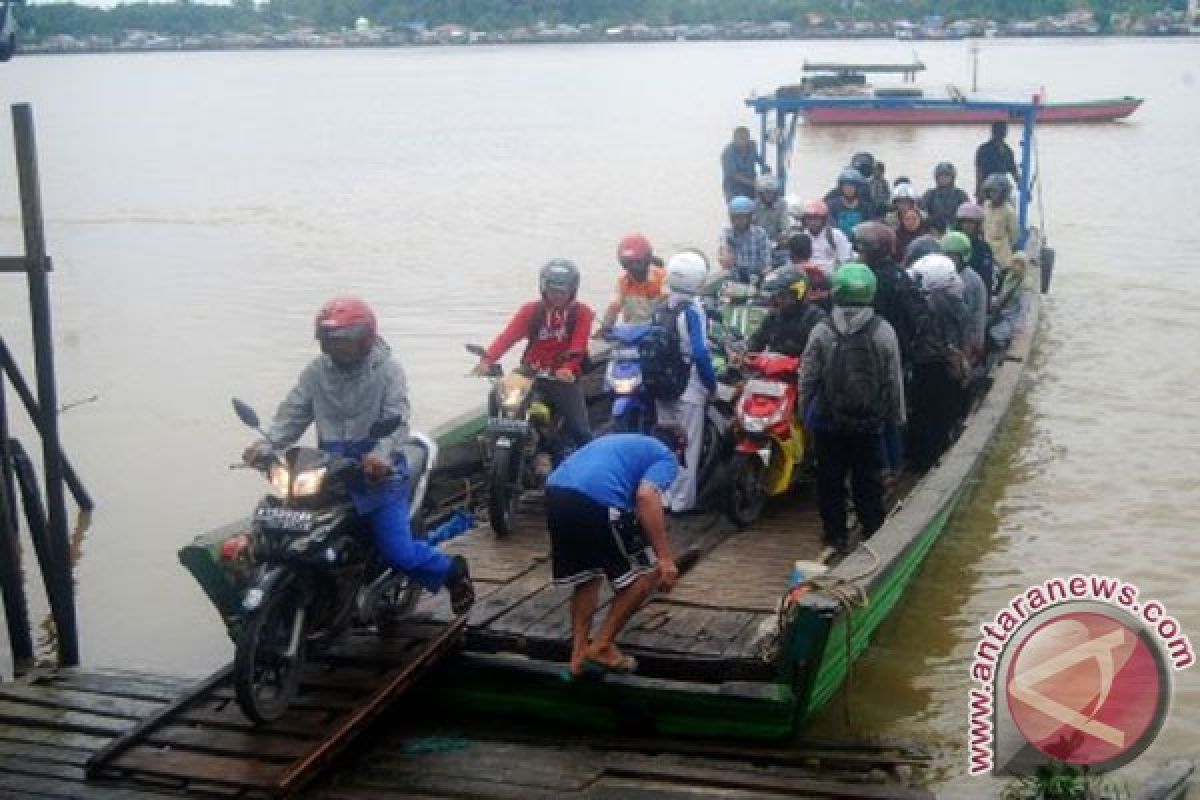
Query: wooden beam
[[22, 264]]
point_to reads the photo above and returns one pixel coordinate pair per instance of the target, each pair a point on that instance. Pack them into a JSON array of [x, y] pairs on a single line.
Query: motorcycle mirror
[[385, 426], [476, 350], [245, 413]]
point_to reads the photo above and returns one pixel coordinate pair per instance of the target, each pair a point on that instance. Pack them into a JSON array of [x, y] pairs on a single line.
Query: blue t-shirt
[[610, 468]]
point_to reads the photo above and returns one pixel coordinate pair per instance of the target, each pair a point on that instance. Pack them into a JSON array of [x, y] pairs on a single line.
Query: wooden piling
[[39, 302], [12, 583]]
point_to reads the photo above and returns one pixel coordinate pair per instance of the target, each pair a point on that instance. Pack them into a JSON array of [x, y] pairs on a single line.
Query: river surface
[[201, 206]]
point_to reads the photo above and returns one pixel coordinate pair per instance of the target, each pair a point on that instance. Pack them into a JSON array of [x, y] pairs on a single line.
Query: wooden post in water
[[12, 581], [47, 422]]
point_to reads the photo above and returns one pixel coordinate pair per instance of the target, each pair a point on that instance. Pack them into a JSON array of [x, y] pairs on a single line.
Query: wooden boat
[[839, 94], [735, 650]]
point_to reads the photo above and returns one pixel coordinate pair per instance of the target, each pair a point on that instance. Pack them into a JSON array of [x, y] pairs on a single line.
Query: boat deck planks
[[44, 757], [710, 627]]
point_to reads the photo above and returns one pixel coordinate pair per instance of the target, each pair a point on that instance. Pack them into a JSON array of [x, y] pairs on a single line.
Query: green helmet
[[957, 242], [854, 285]]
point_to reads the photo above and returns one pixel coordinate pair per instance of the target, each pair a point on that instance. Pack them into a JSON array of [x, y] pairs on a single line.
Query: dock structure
[[55, 727]]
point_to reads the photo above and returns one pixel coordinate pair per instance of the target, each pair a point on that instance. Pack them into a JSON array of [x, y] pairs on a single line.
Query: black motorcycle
[[311, 570]]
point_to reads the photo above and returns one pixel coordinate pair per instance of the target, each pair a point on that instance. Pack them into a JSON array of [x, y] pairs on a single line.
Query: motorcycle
[[520, 428], [769, 442], [307, 569], [633, 406]]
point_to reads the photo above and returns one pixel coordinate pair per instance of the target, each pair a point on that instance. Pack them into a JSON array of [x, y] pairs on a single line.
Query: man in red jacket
[[557, 328]]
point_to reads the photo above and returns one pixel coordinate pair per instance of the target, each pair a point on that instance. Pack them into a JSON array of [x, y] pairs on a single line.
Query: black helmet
[[998, 182], [920, 247], [944, 168], [864, 163], [786, 280], [559, 273]]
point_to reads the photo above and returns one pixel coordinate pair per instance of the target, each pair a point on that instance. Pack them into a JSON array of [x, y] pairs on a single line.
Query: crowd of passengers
[[893, 298]]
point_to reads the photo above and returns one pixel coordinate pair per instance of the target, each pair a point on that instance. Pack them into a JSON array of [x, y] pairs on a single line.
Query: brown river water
[[201, 206]]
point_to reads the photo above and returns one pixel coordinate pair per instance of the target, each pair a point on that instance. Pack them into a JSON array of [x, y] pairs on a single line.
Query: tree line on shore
[[188, 18]]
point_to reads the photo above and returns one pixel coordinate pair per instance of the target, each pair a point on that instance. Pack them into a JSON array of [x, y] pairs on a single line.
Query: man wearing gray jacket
[[353, 384], [851, 384]]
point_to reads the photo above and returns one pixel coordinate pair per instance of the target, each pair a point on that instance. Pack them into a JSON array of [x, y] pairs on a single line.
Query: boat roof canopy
[[787, 107], [849, 69]]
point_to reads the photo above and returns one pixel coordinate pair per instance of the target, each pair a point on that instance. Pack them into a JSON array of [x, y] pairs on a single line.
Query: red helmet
[[346, 318], [815, 208], [634, 247]]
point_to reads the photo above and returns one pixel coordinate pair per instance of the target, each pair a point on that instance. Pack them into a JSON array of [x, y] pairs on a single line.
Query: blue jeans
[[390, 530], [891, 447]]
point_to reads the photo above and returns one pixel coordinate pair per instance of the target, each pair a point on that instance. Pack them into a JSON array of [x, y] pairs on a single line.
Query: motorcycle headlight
[[512, 398], [626, 385], [308, 483], [280, 478]]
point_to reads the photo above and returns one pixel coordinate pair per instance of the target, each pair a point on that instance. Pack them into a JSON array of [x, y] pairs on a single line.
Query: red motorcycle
[[768, 438]]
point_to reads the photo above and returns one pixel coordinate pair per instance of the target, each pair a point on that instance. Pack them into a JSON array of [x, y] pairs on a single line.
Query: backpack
[[665, 368], [853, 383]]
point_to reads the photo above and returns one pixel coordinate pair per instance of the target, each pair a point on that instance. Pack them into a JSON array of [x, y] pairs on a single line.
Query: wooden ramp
[[200, 742], [50, 727]]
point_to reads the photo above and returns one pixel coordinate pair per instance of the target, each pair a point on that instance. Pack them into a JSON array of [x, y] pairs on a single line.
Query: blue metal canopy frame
[[788, 110]]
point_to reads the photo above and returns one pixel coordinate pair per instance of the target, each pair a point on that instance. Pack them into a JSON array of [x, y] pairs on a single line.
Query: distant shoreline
[[181, 47]]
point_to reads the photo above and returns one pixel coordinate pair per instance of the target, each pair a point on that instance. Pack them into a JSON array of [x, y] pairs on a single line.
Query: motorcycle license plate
[[515, 427], [627, 354], [285, 519], [768, 388]]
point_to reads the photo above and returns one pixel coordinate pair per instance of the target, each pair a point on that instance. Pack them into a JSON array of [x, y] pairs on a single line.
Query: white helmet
[[686, 272], [767, 183], [795, 206], [936, 273], [905, 191]]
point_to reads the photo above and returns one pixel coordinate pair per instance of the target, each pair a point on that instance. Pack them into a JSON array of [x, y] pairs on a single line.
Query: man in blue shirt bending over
[[604, 509]]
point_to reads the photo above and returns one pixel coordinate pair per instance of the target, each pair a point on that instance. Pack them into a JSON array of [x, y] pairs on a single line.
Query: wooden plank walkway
[[52, 725], [200, 741]]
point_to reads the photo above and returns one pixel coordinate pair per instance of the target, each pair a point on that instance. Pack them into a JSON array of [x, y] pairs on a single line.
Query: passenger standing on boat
[[970, 221], [851, 383], [994, 157], [849, 205], [791, 320], [903, 198], [770, 210], [556, 328], [353, 384], [745, 248], [800, 256], [641, 285], [911, 224], [864, 164], [604, 511], [957, 246], [1009, 309], [941, 203], [830, 247], [939, 380], [1001, 227], [898, 302], [686, 274], [877, 187], [740, 161]]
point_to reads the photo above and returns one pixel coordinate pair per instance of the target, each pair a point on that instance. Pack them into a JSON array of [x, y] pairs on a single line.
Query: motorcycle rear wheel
[[265, 678], [503, 490], [747, 497]]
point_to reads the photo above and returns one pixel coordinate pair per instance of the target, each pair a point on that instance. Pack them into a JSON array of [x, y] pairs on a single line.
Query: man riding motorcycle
[[641, 285], [792, 318], [557, 328], [355, 383]]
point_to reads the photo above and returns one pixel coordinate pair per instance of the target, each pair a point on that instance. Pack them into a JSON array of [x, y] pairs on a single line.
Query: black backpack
[[853, 383], [665, 369]]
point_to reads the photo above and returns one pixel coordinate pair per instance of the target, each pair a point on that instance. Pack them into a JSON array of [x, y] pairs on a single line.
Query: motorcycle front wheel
[[747, 497], [504, 490], [270, 656]]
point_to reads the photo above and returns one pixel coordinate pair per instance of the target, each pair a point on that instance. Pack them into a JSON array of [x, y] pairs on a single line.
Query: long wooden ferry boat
[[735, 650]]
